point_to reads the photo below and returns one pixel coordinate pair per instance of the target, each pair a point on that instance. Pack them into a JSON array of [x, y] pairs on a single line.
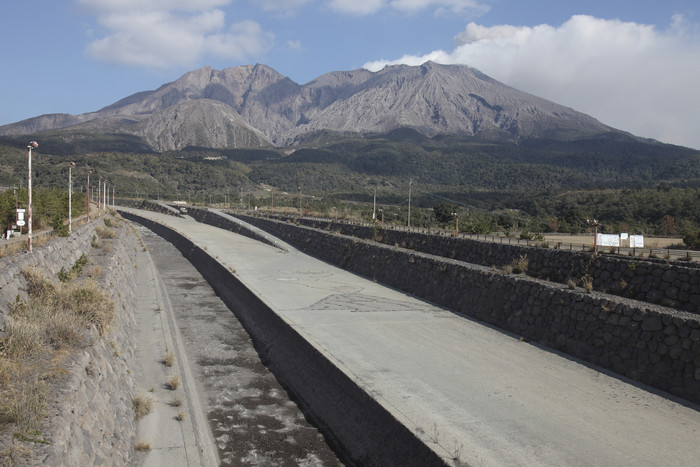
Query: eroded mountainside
[[255, 106]]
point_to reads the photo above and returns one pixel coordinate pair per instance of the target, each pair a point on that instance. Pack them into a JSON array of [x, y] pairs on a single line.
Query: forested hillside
[[539, 185]]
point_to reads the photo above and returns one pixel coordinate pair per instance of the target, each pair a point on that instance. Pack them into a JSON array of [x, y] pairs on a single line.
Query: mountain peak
[[431, 99]]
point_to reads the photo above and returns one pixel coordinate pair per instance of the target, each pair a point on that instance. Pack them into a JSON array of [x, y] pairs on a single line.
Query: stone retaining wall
[[651, 344], [91, 420], [674, 284]]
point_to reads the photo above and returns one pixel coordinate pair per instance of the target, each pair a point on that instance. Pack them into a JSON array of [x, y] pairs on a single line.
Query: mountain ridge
[[259, 107]]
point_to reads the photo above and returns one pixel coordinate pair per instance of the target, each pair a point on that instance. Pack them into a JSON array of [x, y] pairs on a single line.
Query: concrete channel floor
[[248, 413], [471, 392]]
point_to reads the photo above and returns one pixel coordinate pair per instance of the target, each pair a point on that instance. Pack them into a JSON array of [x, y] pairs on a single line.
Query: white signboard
[[20, 222], [636, 241], [624, 236], [608, 240]]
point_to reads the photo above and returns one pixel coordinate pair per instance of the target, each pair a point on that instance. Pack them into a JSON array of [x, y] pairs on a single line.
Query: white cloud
[[106, 6], [441, 6], [294, 45], [630, 76], [171, 33], [357, 7], [367, 7], [281, 5]]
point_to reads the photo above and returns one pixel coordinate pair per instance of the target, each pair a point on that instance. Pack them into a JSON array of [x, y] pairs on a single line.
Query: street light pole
[[32, 145], [99, 197], [374, 208], [594, 223], [70, 196], [87, 198]]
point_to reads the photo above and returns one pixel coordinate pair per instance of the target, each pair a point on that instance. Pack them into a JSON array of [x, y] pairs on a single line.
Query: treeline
[[49, 208], [626, 183]]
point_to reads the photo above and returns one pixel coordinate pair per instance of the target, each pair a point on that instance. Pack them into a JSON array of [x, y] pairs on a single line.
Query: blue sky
[[633, 64]]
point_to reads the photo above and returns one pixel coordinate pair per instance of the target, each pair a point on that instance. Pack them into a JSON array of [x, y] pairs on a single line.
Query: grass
[[180, 415], [15, 454], [39, 335], [176, 402], [587, 283], [103, 232], [142, 405], [173, 382], [142, 445], [168, 359]]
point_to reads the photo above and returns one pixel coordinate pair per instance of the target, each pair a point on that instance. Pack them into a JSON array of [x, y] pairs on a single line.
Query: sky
[[632, 64]]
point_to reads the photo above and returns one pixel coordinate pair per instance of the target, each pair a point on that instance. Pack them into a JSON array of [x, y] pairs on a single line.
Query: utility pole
[[410, 182]]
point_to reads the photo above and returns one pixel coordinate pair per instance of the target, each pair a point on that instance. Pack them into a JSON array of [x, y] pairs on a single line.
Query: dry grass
[[39, 335], [168, 359], [142, 445], [587, 283], [94, 272], [142, 405], [173, 382], [176, 402], [24, 405], [180, 415], [104, 232], [15, 454], [520, 265]]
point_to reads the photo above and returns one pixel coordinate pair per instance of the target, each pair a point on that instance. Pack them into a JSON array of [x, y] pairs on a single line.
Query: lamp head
[[33, 144]]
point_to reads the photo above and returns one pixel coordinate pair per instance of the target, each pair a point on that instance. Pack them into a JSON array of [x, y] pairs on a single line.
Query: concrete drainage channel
[[358, 429]]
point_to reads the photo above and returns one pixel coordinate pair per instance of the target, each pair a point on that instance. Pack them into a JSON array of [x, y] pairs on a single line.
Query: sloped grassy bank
[[67, 316]]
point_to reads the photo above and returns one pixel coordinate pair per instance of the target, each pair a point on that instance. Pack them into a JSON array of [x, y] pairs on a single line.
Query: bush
[[173, 382], [142, 405], [60, 228]]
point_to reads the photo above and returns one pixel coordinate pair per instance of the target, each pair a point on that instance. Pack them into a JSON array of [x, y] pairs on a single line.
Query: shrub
[[63, 275], [168, 359], [142, 405], [173, 382], [142, 445]]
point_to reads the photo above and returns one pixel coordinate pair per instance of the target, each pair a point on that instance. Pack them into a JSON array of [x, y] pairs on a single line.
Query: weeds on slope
[[40, 335]]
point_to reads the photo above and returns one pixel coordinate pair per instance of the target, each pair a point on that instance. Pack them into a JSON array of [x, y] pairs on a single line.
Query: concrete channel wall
[[655, 345], [359, 429], [674, 284]]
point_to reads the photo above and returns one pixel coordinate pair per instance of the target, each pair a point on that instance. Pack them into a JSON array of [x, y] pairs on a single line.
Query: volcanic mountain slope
[[255, 106]]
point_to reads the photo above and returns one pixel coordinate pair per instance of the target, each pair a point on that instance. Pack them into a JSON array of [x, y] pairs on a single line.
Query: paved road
[[470, 391]]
